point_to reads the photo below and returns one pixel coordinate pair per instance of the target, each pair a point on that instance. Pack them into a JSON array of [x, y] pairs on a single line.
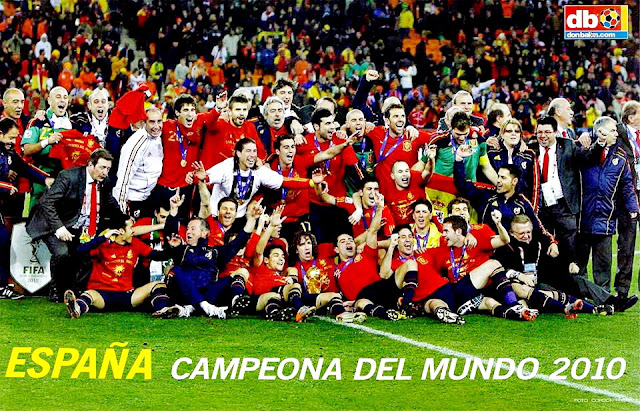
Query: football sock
[[409, 288], [272, 306], [335, 306], [159, 297], [503, 287], [295, 298], [238, 286], [84, 302], [545, 302], [373, 310]]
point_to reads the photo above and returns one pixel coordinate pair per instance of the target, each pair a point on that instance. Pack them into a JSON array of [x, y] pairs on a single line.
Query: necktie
[[637, 147], [565, 134], [603, 156], [93, 213], [545, 165]]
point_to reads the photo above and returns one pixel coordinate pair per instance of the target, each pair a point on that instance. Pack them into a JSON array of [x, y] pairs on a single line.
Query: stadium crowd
[[467, 158]]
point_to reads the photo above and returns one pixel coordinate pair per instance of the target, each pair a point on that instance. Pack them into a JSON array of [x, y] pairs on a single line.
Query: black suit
[[627, 226], [561, 218], [61, 206]]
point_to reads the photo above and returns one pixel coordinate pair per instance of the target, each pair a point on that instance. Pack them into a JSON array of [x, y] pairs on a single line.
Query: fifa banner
[[441, 190], [29, 261]]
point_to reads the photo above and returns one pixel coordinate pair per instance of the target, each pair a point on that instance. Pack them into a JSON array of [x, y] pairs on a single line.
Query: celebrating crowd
[[247, 166]]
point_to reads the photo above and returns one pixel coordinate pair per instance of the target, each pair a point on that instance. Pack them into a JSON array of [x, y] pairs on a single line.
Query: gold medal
[[183, 163]]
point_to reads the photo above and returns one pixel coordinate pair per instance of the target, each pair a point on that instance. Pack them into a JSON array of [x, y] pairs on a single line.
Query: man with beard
[[370, 190], [140, 167], [271, 125], [390, 145], [240, 177], [460, 135], [42, 134], [181, 140], [290, 165], [358, 277], [222, 136], [315, 275]]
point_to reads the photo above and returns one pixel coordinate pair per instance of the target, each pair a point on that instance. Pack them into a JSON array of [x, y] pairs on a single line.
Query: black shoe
[[622, 304], [54, 294], [239, 305]]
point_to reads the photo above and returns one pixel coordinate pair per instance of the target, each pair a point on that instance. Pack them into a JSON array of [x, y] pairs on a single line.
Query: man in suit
[[69, 214], [629, 137], [560, 110], [560, 161]]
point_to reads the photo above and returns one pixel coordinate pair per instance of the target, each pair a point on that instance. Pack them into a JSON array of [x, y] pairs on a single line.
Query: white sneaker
[[186, 311]]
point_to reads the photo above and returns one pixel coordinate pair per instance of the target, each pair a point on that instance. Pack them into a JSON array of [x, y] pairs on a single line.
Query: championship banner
[[29, 261], [441, 190]]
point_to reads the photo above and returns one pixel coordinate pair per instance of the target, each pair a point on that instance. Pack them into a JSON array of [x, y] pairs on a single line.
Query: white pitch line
[[459, 354]]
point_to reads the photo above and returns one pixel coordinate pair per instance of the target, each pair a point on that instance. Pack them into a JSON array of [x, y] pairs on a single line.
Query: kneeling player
[[110, 285], [315, 274]]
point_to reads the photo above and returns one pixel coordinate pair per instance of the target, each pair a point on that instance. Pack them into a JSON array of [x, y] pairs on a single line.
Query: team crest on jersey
[[615, 161], [422, 260], [495, 204], [524, 166], [358, 258], [130, 254], [406, 145], [473, 142], [517, 210], [497, 158], [91, 143], [9, 160], [410, 196]]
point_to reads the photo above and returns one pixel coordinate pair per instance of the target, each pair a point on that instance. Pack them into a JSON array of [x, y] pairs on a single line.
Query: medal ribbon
[[339, 271], [285, 191], [242, 188], [455, 268], [328, 162], [364, 218], [181, 140], [382, 155]]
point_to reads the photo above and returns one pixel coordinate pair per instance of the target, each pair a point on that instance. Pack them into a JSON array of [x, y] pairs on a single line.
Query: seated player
[[357, 273], [197, 266], [455, 260], [277, 291], [315, 275], [110, 286], [426, 291]]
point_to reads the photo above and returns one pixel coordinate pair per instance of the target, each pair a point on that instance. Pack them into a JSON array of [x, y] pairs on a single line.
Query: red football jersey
[[400, 201], [358, 272], [395, 149], [472, 258], [296, 201], [113, 265], [74, 149], [388, 223], [263, 280], [221, 138], [316, 276], [174, 174], [335, 168]]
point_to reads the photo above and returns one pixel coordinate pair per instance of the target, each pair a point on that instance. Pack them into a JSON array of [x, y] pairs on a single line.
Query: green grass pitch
[[36, 323]]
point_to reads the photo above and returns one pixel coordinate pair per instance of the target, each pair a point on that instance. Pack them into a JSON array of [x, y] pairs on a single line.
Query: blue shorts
[[454, 295], [116, 300]]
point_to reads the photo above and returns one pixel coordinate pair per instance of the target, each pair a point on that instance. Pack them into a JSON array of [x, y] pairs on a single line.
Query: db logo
[[591, 22]]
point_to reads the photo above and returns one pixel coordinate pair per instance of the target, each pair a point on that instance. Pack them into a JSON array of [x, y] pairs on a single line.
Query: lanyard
[[455, 268], [364, 218], [363, 157], [183, 147], [382, 155], [285, 191], [242, 188], [339, 271], [328, 162], [422, 241]]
